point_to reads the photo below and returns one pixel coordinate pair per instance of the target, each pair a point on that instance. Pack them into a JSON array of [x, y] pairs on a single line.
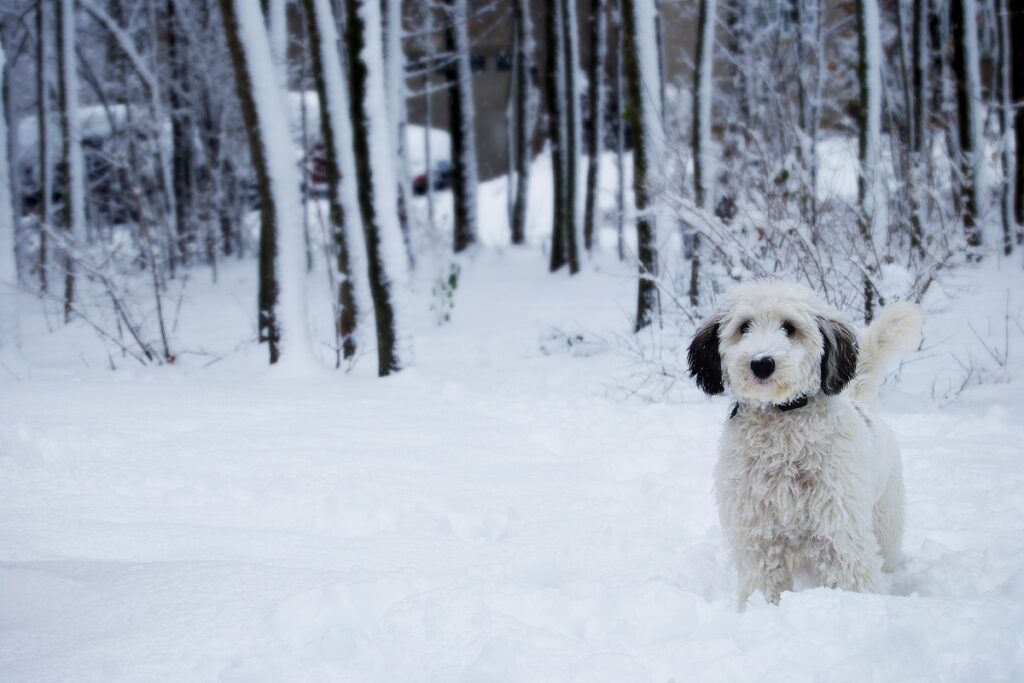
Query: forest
[[224, 222]]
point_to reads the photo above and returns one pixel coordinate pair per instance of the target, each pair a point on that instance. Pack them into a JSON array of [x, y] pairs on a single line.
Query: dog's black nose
[[763, 367]]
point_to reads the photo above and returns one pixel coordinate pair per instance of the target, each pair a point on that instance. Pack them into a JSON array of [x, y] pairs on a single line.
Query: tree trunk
[[181, 133], [555, 84], [73, 214], [1003, 102], [282, 253], [620, 134], [965, 71], [394, 61], [920, 142], [639, 19], [334, 114], [8, 266], [362, 107], [462, 126], [1016, 21], [571, 111], [869, 123], [701, 135], [522, 117], [43, 121], [598, 40]]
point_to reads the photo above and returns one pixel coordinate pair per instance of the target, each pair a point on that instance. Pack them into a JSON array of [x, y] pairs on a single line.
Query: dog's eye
[[745, 327], [788, 328]]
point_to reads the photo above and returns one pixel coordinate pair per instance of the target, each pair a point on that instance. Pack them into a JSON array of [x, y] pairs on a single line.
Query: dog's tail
[[897, 327]]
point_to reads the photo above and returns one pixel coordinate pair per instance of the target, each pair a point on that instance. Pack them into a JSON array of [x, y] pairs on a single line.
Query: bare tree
[[869, 117], [462, 118], [703, 169], [963, 23], [522, 118], [363, 41], [644, 83], [73, 214], [43, 49], [8, 267], [337, 138], [598, 54], [266, 118]]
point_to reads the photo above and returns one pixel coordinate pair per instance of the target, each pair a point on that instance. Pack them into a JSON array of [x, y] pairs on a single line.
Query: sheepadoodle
[[808, 477]]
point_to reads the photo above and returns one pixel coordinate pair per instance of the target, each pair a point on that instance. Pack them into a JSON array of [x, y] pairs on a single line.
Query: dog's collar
[[798, 402]]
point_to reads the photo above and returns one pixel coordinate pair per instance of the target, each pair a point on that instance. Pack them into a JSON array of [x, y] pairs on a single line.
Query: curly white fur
[[817, 487]]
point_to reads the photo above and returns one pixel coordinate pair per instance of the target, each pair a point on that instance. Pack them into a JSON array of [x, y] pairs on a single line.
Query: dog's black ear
[[839, 355], [704, 359]]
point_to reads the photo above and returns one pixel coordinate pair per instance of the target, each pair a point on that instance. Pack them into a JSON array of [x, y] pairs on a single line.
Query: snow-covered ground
[[498, 512]]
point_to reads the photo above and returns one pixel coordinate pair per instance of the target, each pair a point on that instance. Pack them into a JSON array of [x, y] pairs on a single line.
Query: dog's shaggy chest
[[773, 467]]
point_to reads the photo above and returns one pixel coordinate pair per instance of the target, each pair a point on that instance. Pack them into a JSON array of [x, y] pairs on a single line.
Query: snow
[[297, 353], [496, 513]]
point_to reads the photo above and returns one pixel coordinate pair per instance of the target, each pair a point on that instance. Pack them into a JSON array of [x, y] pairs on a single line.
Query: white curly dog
[[808, 477]]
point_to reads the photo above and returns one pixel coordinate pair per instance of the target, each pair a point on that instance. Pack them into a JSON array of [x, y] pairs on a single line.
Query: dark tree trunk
[[553, 76], [66, 61], [596, 73], [269, 330], [522, 128], [1003, 103], [458, 129], [1016, 19], [570, 111], [348, 310], [647, 295], [181, 132], [965, 125], [380, 288]]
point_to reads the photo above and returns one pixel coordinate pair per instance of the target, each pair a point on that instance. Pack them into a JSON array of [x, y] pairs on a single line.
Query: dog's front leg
[[762, 567], [849, 559]]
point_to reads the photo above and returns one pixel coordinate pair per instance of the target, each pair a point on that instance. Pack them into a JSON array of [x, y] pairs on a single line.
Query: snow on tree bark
[[703, 160], [8, 267], [463, 126], [73, 214], [337, 137], [373, 161], [394, 64], [598, 53], [869, 189], [644, 83], [266, 119]]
